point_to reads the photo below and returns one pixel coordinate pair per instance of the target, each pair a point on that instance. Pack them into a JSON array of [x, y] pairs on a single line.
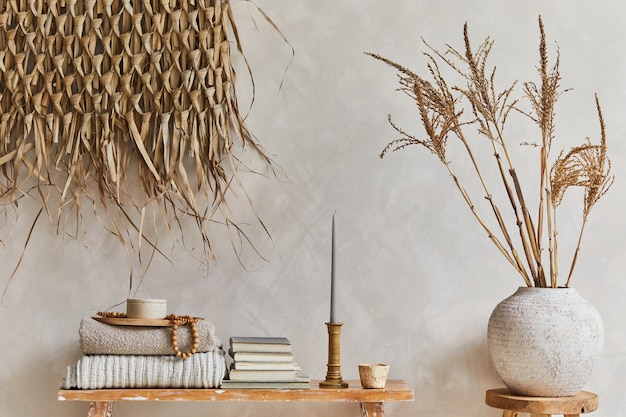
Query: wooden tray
[[123, 321]]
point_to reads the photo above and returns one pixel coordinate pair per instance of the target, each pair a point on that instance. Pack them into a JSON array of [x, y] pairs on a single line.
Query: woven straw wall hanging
[[123, 104]]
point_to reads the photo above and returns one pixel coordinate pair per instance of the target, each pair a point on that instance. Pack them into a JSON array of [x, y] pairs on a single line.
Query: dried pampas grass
[[487, 109], [127, 106]]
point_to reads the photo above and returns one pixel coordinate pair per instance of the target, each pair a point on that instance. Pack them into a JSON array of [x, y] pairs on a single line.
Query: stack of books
[[264, 362]]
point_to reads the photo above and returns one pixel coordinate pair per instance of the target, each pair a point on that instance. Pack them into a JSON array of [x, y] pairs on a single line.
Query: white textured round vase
[[545, 342]]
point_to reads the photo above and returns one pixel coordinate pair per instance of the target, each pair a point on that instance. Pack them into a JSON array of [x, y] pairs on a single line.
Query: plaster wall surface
[[417, 277]]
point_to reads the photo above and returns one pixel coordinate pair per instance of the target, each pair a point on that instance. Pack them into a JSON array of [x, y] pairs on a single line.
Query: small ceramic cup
[[146, 308], [373, 375]]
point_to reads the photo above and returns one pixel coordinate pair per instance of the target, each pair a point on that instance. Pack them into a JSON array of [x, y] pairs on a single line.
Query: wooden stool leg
[[100, 409], [372, 410], [509, 413]]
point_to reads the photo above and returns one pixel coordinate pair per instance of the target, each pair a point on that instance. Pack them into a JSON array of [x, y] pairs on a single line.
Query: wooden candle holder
[[333, 374]]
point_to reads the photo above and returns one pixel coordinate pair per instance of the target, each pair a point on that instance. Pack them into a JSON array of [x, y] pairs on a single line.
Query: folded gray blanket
[[97, 338], [201, 370]]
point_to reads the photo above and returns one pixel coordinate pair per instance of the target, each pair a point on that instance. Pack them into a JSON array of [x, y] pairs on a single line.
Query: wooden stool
[[502, 398]]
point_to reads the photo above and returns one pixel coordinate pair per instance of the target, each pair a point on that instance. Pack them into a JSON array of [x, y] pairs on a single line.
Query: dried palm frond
[[133, 98], [440, 110]]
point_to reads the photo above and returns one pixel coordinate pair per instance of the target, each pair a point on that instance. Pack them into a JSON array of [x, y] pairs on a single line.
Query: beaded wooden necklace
[[182, 320]]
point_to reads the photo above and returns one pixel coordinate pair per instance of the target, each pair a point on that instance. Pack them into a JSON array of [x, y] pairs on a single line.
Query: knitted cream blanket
[[201, 370], [97, 338]]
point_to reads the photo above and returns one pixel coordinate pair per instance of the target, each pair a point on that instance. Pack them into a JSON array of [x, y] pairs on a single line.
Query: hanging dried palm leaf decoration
[[121, 96]]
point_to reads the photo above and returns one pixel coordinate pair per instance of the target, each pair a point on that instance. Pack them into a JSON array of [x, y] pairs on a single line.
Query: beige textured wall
[[418, 279]]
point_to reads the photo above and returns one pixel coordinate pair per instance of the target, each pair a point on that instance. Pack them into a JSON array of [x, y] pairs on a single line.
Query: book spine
[[238, 375], [261, 357], [265, 366], [269, 348]]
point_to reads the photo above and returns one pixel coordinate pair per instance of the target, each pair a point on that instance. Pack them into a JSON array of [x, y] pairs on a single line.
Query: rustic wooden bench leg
[[509, 413], [372, 410], [100, 409]]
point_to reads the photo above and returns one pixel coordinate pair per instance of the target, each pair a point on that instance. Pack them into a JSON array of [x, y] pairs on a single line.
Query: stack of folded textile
[[142, 357]]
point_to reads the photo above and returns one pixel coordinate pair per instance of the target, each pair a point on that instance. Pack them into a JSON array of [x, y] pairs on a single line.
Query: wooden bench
[[371, 400]]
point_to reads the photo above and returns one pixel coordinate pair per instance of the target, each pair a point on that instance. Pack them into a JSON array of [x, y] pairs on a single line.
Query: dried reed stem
[[438, 104]]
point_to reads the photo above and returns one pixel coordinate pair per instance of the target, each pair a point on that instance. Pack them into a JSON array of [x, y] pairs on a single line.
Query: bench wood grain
[[371, 400]]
